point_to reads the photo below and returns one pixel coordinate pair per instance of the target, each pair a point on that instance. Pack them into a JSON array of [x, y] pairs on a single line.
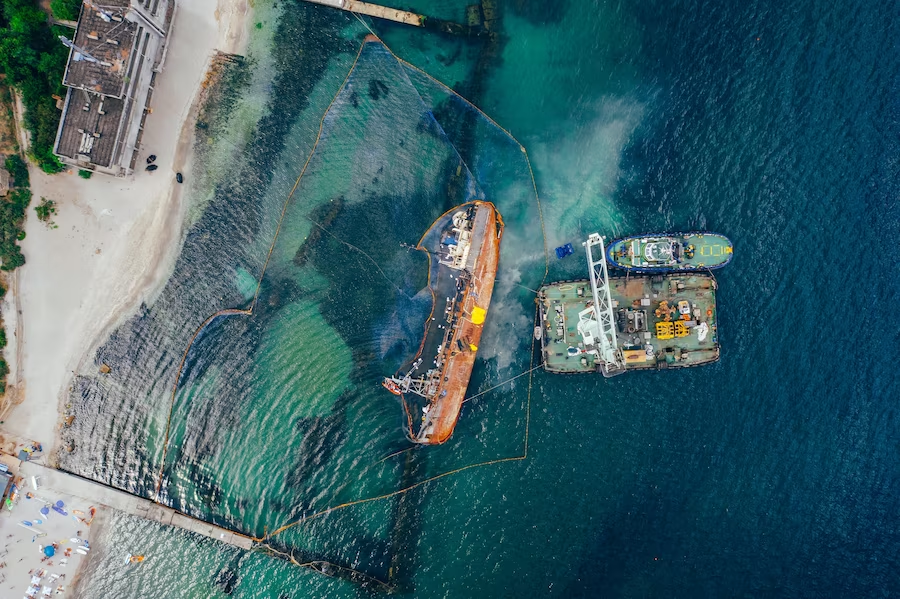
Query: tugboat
[[392, 386], [670, 252]]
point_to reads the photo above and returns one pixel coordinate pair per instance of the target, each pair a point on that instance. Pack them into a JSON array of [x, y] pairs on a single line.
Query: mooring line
[[530, 371], [490, 120], [361, 251], [524, 456], [509, 380], [396, 453]]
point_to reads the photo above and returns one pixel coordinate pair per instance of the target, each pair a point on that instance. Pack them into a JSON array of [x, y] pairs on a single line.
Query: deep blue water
[[772, 473]]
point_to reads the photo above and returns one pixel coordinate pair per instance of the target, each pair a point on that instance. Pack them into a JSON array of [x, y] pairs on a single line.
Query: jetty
[[47, 479], [375, 10]]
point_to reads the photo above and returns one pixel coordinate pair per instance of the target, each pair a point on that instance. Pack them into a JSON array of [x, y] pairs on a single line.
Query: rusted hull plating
[[457, 357]]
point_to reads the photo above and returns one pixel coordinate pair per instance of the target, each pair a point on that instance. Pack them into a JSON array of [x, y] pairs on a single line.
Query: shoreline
[[97, 529], [115, 241]]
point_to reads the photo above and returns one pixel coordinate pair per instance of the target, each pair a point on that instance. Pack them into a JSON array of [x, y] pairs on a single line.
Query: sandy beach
[[114, 241], [44, 518], [111, 246]]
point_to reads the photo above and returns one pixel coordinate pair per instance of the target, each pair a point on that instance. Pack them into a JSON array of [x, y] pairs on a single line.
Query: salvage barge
[[463, 247], [613, 325]]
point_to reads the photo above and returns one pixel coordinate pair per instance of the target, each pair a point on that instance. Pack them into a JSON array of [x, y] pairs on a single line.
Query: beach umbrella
[[49, 551], [45, 510], [59, 503]]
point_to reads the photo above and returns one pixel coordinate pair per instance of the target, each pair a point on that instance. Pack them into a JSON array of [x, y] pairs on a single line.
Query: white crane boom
[[597, 324]]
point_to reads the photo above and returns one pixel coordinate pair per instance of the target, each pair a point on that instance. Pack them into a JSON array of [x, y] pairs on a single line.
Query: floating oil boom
[[463, 247]]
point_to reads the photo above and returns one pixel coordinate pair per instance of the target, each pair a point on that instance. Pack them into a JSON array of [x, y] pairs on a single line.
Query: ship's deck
[[638, 310], [443, 366], [709, 250]]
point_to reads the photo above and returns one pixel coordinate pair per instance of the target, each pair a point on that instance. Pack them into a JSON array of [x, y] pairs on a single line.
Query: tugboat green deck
[[670, 252], [662, 321]]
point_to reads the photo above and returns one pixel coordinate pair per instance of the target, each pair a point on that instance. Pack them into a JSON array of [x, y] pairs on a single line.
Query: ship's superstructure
[[670, 252], [464, 248]]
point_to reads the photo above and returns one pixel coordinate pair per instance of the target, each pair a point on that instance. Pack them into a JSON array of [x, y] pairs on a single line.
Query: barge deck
[[661, 321]]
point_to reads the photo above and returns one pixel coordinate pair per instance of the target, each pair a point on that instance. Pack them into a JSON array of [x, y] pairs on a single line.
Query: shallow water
[[771, 472]]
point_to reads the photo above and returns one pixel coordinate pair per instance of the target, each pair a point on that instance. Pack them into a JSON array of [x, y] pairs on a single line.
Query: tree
[[27, 21], [17, 169], [34, 62], [66, 10]]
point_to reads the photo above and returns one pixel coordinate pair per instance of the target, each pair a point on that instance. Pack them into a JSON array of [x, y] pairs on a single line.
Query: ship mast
[[597, 324]]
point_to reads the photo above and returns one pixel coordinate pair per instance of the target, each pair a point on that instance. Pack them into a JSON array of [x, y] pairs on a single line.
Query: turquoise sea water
[[773, 472]]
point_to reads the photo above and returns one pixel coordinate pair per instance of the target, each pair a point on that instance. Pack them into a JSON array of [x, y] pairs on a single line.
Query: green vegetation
[[33, 61], [85, 174], [4, 371], [12, 217], [18, 170], [65, 10], [45, 210]]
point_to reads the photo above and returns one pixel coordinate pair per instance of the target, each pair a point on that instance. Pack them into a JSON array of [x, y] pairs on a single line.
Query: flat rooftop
[[106, 35], [90, 127]]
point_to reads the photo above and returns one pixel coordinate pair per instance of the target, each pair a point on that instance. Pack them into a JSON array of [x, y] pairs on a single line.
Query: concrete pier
[[51, 479], [375, 10]]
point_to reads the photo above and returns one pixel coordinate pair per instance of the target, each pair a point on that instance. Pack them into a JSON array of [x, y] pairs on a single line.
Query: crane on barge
[[596, 323]]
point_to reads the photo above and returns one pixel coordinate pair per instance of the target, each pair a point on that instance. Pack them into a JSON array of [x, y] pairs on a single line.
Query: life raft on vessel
[[392, 386]]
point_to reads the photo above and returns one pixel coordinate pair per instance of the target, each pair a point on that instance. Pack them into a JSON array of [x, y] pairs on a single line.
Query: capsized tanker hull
[[463, 246]]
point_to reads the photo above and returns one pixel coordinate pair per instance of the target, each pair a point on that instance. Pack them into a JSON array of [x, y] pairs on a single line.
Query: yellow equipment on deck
[[671, 330], [665, 330]]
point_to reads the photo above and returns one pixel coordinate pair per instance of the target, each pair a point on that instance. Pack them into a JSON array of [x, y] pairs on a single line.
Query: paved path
[[96, 493]]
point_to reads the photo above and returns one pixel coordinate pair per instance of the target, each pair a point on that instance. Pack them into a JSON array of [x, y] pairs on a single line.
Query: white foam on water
[[579, 171]]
